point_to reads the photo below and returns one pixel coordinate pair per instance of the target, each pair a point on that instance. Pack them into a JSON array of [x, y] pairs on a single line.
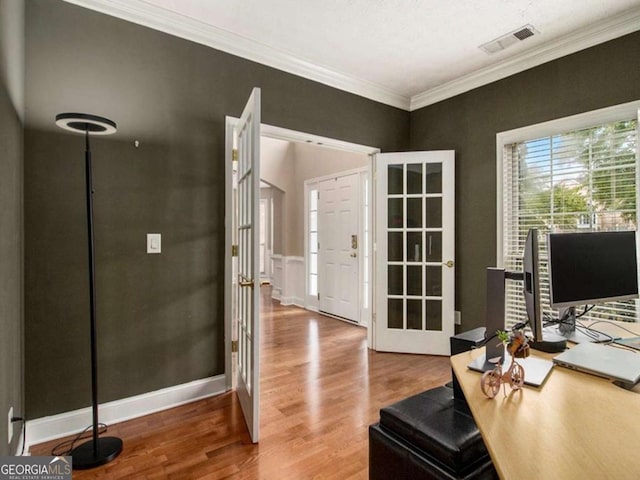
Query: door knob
[[353, 255], [450, 264]]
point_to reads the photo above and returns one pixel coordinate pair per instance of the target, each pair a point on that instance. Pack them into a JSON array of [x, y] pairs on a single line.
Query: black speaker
[[463, 342], [495, 319]]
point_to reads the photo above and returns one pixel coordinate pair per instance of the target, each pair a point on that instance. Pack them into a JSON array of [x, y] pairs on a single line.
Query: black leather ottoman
[[431, 435]]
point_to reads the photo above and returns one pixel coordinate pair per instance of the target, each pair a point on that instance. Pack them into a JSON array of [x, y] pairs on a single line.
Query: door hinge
[[234, 346], [234, 155], [318, 295], [234, 250]]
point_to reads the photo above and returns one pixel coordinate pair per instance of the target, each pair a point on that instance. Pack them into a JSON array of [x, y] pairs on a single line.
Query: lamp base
[[85, 457]]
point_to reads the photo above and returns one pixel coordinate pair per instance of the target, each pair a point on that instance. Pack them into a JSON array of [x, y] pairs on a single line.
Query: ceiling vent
[[509, 39]]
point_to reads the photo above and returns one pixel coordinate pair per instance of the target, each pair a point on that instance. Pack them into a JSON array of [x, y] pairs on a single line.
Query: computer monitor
[[531, 287], [590, 268], [545, 341]]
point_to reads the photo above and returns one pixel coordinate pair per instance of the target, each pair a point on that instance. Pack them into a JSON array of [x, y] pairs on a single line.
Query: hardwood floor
[[321, 388]]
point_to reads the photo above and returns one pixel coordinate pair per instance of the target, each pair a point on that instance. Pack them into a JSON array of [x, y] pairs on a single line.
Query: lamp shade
[[84, 122]]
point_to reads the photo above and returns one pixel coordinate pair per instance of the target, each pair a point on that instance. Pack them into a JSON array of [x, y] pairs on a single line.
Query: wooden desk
[[576, 426]]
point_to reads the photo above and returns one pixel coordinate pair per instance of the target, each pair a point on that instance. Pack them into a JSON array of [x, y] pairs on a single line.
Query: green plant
[[503, 336]]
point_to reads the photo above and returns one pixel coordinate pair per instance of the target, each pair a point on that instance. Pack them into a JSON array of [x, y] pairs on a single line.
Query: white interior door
[[248, 377], [415, 246], [338, 227]]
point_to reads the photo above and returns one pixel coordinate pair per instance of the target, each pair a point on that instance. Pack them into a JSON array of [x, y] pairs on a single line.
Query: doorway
[[298, 169]]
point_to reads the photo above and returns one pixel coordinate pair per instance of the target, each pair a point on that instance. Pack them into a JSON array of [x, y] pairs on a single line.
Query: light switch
[[154, 242]]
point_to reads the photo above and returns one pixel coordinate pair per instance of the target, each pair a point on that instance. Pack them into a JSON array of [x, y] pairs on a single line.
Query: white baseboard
[[55, 426], [298, 302]]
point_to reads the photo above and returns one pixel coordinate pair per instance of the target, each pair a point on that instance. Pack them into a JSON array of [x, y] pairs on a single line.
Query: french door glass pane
[[434, 177], [414, 314], [414, 280], [414, 178], [434, 315], [414, 212], [434, 212], [414, 246], [395, 213], [433, 276], [433, 247], [395, 285], [395, 180], [395, 313], [395, 252]]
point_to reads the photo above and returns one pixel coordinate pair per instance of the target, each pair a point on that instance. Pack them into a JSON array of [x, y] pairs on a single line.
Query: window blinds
[[584, 180]]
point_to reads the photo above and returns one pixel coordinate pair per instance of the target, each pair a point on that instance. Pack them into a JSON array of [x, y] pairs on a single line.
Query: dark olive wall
[[11, 231], [160, 317], [601, 76]]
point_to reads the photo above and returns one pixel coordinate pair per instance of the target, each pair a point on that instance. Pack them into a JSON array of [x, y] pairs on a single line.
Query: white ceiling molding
[[609, 29], [157, 18], [169, 22]]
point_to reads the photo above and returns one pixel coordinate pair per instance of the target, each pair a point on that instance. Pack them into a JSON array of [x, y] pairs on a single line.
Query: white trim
[[56, 426], [612, 27], [559, 125], [343, 173], [172, 23], [302, 137], [178, 25], [228, 259]]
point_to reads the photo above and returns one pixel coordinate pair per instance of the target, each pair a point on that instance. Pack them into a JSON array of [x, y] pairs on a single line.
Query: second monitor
[[588, 269]]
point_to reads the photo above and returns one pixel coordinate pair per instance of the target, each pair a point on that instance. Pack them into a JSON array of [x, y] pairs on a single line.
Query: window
[[263, 235], [313, 242], [578, 180], [365, 242]]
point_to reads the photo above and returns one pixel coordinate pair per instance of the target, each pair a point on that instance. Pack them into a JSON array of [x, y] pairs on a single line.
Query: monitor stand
[[567, 329], [552, 342]]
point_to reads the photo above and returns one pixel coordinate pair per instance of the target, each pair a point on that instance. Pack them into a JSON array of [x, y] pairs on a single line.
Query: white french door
[[338, 227], [415, 247], [248, 377]]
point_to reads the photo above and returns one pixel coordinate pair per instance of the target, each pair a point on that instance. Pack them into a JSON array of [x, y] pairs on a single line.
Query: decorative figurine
[[518, 347]]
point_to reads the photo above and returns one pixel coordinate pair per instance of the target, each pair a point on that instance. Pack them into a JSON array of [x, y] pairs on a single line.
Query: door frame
[[280, 133]]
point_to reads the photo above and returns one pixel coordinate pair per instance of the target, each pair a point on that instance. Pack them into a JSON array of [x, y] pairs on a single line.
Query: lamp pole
[[97, 451]]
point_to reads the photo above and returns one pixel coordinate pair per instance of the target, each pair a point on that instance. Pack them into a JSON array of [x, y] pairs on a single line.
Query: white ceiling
[[406, 53]]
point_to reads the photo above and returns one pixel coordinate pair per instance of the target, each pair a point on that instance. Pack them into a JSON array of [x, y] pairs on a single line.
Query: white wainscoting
[[288, 283], [277, 275], [64, 424], [293, 291]]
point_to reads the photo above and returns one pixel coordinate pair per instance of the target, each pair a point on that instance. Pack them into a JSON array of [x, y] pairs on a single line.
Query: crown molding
[[601, 32], [137, 11], [157, 18]]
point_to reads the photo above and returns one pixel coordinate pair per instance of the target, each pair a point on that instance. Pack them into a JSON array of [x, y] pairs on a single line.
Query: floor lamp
[[97, 451]]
